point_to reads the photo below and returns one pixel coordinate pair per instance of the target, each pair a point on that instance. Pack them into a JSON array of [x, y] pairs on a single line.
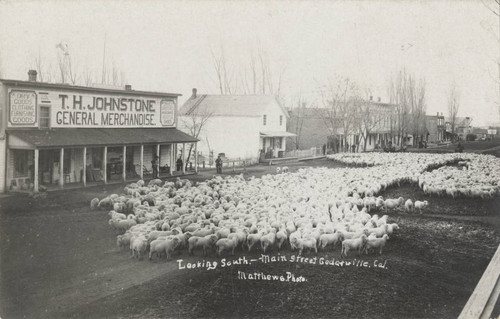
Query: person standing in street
[[179, 164], [218, 165]]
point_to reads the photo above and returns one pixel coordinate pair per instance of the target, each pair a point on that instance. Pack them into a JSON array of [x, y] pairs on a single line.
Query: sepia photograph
[[249, 159]]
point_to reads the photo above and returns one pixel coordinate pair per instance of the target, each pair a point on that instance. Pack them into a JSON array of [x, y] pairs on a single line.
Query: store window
[[264, 118], [21, 158], [44, 117]]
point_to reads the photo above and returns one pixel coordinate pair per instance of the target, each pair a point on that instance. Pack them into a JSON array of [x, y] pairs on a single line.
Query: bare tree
[[193, 121], [369, 117], [402, 92], [340, 102], [298, 114], [453, 106], [224, 79], [256, 77], [418, 108]]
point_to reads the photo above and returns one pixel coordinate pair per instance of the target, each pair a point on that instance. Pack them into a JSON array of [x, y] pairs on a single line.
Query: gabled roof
[[230, 105], [460, 121]]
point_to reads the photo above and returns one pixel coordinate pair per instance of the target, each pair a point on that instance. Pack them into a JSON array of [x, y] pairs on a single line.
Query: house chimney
[[32, 75], [128, 87], [194, 93]]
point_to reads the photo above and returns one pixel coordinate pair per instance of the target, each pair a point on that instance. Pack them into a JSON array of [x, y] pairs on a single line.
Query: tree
[[409, 106], [340, 102], [256, 77], [68, 71], [299, 112], [418, 108], [193, 121], [453, 106], [369, 117]]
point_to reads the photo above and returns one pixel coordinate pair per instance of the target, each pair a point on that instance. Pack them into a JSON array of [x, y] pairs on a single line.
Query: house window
[[21, 158], [44, 116], [264, 118], [281, 120]]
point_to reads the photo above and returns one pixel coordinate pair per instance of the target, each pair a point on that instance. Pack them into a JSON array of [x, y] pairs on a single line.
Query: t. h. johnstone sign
[[83, 110]]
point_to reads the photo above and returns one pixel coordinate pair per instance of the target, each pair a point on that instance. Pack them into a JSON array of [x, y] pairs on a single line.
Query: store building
[[247, 127], [55, 135]]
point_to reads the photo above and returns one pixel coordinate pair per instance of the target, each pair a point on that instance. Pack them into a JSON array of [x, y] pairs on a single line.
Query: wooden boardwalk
[[483, 299]]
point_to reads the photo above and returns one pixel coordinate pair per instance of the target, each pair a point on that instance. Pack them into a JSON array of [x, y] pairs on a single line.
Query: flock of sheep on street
[[306, 210]]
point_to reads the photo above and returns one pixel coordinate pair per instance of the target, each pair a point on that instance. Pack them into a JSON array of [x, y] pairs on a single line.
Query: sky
[[166, 45]]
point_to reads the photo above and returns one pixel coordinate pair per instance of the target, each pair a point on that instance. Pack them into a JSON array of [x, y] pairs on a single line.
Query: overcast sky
[[165, 46]]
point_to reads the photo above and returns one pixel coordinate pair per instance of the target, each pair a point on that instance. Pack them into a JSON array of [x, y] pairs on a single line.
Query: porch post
[[196, 157], [105, 164], [84, 177], [172, 160], [124, 163], [158, 161], [35, 187], [141, 163], [61, 167], [183, 158]]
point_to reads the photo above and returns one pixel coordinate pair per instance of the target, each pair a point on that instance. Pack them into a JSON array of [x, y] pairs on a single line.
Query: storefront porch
[[39, 164]]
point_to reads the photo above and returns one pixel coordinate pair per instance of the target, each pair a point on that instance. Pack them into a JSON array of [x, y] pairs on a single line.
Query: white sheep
[[330, 239], [391, 228], [94, 203], [123, 240], [122, 225], [206, 243], [355, 243], [408, 205], [252, 239], [376, 243], [226, 244], [419, 205], [268, 240], [305, 243], [281, 238], [166, 245], [138, 244], [284, 169]]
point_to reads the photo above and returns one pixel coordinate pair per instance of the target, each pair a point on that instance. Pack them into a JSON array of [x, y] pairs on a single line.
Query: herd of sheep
[[304, 210]]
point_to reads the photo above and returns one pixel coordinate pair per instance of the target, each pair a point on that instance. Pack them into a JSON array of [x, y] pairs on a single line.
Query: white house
[[249, 127]]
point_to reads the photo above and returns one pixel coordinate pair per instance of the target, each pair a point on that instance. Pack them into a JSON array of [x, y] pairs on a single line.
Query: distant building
[[240, 126], [462, 128], [309, 126], [435, 128], [313, 130]]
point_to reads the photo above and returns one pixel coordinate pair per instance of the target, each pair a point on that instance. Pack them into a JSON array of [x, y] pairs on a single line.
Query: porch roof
[[69, 137]]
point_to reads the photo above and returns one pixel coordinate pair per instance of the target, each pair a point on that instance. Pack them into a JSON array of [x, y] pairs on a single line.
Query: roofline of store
[[18, 83]]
